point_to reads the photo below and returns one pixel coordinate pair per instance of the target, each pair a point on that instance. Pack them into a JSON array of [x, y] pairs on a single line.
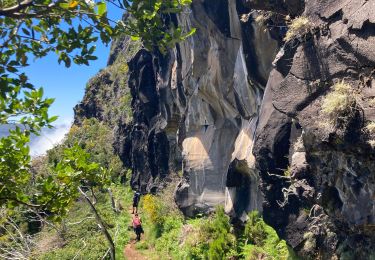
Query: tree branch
[[21, 202], [100, 224], [20, 6]]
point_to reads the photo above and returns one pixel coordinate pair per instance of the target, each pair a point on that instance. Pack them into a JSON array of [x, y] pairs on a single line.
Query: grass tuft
[[371, 127], [340, 103], [372, 143], [298, 27]]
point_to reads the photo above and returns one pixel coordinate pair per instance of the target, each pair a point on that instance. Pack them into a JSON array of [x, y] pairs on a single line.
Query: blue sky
[[67, 86]]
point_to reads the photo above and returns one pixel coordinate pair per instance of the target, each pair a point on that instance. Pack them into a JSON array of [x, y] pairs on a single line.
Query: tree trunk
[[94, 199], [113, 203], [101, 225]]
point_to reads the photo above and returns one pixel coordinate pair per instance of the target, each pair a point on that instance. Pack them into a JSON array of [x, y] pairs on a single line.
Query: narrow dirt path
[[131, 253]]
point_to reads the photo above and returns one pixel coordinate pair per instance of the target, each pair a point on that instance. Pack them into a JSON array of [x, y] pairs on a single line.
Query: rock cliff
[[239, 113], [325, 204]]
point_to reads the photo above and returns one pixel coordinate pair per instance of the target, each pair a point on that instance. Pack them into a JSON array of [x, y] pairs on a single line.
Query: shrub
[[262, 240], [83, 239], [163, 223], [153, 208], [125, 106], [371, 127], [219, 233], [339, 105], [255, 229], [298, 27], [96, 139]]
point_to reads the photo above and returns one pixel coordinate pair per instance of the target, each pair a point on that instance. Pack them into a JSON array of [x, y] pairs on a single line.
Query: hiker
[[136, 197], [137, 226]]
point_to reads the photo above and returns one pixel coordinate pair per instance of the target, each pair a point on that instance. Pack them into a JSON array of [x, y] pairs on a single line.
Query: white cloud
[[49, 138]]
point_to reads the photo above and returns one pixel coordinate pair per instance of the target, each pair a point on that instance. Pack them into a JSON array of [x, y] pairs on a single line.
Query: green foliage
[[260, 241], [163, 218], [55, 192], [126, 107], [213, 237], [96, 139], [173, 237], [14, 175], [163, 223], [219, 233], [30, 111], [60, 189], [32, 29], [83, 239], [152, 22], [255, 230]]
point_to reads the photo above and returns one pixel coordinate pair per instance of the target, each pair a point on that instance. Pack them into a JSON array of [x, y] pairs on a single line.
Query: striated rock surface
[[238, 114], [220, 115], [325, 207], [195, 111]]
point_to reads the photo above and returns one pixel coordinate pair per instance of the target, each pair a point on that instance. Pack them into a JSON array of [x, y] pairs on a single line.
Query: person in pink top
[[137, 226]]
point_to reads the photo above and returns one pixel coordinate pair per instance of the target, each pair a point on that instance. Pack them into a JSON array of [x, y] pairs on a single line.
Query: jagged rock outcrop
[[199, 109], [326, 206], [195, 110], [223, 101]]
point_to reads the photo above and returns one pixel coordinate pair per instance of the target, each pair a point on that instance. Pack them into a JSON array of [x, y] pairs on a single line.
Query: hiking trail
[[131, 253]]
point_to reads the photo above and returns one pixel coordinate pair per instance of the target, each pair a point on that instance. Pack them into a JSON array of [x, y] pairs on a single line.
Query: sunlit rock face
[[325, 205], [196, 110], [221, 111], [237, 116]]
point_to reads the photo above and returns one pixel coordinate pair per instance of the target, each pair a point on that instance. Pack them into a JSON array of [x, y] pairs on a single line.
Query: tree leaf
[[73, 4], [102, 8]]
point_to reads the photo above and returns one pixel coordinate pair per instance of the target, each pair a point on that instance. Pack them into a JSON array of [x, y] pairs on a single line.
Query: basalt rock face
[[223, 91], [196, 109], [239, 115], [325, 205]]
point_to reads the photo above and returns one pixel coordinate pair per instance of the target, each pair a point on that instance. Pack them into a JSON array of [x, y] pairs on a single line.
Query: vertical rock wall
[[195, 111], [199, 109], [318, 178], [221, 111]]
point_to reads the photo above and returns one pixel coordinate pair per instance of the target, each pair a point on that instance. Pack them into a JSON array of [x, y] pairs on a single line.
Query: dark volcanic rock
[[199, 109], [149, 151], [336, 166]]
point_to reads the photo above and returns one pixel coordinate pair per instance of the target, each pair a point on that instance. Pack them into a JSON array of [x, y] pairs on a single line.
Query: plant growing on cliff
[[370, 128], [298, 28], [206, 237], [340, 104], [262, 242]]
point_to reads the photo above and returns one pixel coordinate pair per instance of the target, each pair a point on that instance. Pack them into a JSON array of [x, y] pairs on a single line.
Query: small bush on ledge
[[340, 104], [370, 128], [298, 27]]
